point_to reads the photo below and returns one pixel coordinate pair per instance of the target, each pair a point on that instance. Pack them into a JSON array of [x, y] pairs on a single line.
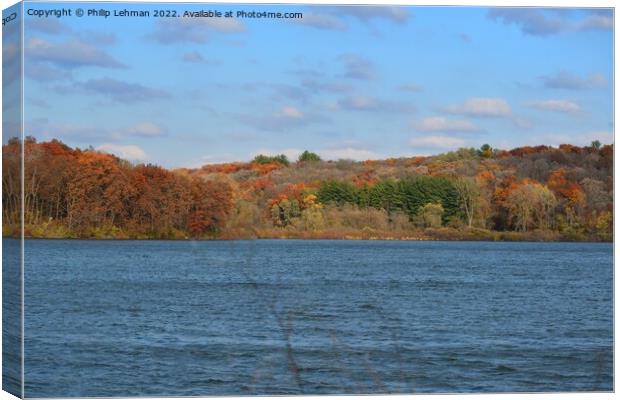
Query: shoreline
[[316, 238], [448, 234]]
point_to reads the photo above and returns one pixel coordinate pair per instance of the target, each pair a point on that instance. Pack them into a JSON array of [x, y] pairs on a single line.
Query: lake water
[[173, 318]]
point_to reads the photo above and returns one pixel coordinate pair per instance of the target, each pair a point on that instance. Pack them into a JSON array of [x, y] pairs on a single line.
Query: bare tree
[[469, 197]]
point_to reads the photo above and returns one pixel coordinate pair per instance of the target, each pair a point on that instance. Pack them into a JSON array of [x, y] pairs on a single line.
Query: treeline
[[528, 193], [74, 193]]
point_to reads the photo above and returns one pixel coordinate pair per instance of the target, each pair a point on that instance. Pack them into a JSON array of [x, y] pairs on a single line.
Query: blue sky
[[345, 82]]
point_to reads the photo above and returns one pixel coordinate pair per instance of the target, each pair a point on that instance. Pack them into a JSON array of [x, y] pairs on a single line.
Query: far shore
[[437, 234]]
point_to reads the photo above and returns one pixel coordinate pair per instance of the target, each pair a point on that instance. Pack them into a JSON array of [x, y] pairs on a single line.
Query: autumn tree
[[312, 214], [469, 197], [284, 211], [570, 195], [597, 196], [211, 202], [73, 192], [11, 183], [431, 215], [160, 200], [531, 203], [544, 206], [98, 192]]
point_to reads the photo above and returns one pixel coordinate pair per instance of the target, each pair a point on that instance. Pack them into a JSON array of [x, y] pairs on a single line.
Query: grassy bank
[[51, 231]]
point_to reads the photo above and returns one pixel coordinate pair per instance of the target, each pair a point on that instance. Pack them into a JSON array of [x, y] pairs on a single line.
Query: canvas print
[[205, 199]]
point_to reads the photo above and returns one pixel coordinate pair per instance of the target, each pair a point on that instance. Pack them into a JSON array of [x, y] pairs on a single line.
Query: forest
[[540, 193]]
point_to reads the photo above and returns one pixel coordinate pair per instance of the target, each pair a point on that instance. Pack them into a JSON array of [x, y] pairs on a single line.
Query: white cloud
[[357, 66], [146, 129], [197, 58], [564, 106], [322, 21], [358, 103], [395, 14], [121, 91], [349, 153], [597, 22], [333, 17], [442, 124], [287, 117], [410, 87], [437, 142], [522, 123], [549, 21], [570, 81], [47, 25], [584, 139], [482, 107], [129, 152], [69, 55], [368, 103], [290, 112], [217, 159], [604, 136], [225, 24], [315, 85], [195, 30]]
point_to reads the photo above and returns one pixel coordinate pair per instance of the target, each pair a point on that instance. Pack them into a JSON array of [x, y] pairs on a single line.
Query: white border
[[522, 3]]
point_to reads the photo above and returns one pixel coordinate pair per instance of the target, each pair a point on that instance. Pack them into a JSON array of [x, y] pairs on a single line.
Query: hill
[[527, 193]]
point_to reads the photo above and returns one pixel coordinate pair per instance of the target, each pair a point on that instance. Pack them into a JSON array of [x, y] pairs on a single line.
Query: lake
[[179, 318]]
